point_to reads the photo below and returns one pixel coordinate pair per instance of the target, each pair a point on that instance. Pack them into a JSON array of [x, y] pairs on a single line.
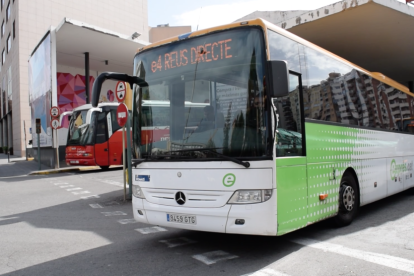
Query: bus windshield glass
[[80, 132], [203, 92]]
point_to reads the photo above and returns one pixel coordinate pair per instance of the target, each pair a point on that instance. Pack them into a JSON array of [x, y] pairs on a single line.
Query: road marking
[[1, 219], [73, 189], [177, 242], [60, 183], [90, 196], [95, 206], [266, 272], [67, 186], [116, 213], [149, 230], [112, 182], [214, 257], [81, 193], [376, 258], [127, 221]]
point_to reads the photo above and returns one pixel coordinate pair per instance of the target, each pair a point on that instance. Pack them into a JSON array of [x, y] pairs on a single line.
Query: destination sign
[[206, 54], [209, 52]]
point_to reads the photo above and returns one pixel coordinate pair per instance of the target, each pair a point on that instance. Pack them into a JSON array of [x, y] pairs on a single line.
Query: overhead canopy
[[377, 35], [74, 38]]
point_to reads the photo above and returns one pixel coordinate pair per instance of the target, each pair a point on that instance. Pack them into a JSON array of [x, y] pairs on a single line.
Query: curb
[[75, 169]]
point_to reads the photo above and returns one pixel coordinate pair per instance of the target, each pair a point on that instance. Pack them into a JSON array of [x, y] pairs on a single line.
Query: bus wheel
[[348, 201], [104, 168]]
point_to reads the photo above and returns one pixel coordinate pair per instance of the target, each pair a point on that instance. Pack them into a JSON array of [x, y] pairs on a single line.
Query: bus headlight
[[250, 196], [137, 192]]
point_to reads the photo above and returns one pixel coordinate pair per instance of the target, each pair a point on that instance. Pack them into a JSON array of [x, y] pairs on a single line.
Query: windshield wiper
[[237, 161]]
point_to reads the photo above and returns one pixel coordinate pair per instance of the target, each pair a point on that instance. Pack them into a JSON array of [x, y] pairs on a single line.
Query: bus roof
[[267, 25]]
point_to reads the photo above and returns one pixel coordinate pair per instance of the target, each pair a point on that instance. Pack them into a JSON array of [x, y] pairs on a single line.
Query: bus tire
[[348, 201], [104, 168]]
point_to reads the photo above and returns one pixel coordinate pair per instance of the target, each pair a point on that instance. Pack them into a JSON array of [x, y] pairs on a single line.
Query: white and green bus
[[264, 132]]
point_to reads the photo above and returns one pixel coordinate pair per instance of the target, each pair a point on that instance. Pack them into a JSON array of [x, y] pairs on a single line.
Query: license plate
[[74, 162], [178, 218]]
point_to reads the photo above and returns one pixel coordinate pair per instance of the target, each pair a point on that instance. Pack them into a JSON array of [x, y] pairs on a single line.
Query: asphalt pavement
[[18, 166]]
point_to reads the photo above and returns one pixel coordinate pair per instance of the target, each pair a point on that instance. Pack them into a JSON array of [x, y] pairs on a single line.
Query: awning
[[74, 38]]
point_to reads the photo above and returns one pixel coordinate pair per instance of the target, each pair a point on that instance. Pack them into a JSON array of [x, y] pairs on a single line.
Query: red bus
[[94, 137], [155, 116]]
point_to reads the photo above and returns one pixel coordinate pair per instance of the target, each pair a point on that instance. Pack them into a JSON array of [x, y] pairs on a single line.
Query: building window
[[3, 56], [8, 12], [8, 43], [14, 29], [3, 27]]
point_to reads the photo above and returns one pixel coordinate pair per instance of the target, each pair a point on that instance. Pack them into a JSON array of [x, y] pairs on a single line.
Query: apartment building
[[24, 23]]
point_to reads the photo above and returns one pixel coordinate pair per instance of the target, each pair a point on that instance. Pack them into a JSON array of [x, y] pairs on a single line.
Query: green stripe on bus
[[330, 150]]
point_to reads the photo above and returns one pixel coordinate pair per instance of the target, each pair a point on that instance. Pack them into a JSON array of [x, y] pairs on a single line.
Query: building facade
[[165, 31], [24, 23]]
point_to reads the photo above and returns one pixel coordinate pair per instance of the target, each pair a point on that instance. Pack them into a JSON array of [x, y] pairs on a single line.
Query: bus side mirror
[[97, 84], [279, 78]]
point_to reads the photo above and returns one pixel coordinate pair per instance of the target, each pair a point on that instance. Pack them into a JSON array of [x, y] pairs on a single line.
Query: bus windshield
[[203, 92], [80, 132]]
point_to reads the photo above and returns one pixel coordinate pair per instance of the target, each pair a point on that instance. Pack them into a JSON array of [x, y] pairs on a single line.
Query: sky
[[205, 14]]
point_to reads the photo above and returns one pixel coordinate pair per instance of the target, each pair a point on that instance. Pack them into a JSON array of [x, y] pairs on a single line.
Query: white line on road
[[376, 258], [266, 272], [95, 205], [90, 196], [67, 186], [116, 213], [149, 230], [112, 182], [73, 189], [1, 219], [60, 183], [214, 257], [81, 193], [127, 221]]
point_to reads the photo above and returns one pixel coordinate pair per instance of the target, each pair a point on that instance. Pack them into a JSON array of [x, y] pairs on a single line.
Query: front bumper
[[259, 219]]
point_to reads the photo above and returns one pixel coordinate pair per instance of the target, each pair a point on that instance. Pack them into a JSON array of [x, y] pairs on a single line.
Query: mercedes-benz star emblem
[[180, 198]]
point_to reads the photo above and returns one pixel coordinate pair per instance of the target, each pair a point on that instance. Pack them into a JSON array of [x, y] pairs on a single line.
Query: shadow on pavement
[[131, 253]]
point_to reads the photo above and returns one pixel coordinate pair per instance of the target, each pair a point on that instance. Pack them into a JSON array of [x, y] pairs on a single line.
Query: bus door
[[114, 138], [291, 176], [101, 140]]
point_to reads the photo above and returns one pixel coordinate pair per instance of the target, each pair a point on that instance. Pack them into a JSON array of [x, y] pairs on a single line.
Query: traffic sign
[[120, 91], [55, 123], [54, 111], [122, 114]]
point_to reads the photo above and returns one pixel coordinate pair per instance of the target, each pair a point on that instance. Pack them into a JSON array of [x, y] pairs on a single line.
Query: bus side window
[[101, 129], [289, 129], [114, 121]]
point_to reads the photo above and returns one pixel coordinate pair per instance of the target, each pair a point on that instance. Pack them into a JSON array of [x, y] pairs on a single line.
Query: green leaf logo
[[393, 170], [229, 180]]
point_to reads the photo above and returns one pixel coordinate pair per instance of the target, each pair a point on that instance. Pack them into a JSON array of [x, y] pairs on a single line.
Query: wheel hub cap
[[348, 198]]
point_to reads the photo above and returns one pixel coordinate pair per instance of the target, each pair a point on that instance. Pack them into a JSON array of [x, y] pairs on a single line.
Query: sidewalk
[[19, 166]]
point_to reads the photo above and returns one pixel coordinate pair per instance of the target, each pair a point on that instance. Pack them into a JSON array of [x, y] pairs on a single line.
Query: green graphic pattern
[[330, 151]]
